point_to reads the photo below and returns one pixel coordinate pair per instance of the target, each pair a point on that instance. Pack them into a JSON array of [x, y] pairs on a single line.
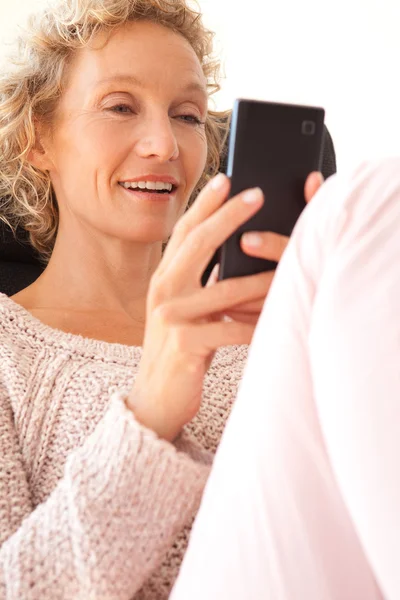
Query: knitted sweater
[[92, 504]]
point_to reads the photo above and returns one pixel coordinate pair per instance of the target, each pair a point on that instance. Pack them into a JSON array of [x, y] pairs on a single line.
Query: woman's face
[[133, 111]]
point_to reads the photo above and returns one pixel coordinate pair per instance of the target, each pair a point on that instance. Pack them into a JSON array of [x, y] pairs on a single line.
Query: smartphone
[[275, 147]]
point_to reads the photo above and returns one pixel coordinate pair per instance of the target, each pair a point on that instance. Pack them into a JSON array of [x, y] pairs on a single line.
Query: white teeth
[[149, 185]]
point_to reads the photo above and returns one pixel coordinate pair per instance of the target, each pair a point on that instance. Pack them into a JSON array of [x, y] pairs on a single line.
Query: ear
[[39, 155]]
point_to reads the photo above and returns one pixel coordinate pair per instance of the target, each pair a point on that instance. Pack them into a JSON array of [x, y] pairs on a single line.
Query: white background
[[342, 55]]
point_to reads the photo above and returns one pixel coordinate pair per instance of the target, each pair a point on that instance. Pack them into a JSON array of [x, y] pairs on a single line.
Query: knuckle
[[159, 291], [180, 338], [182, 228], [198, 240], [163, 313], [154, 285]]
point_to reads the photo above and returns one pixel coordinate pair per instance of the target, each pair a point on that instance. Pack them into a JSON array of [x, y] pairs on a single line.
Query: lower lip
[[149, 196]]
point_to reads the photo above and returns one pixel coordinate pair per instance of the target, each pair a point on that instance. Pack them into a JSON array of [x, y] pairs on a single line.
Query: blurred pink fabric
[[303, 501]]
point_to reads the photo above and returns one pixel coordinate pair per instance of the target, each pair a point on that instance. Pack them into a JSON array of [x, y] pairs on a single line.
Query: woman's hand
[[270, 246], [183, 325]]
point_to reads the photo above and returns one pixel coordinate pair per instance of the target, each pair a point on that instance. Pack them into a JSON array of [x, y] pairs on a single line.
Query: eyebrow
[[193, 86]]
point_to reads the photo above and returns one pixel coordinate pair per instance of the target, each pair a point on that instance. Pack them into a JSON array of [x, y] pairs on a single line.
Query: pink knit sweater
[[93, 505]]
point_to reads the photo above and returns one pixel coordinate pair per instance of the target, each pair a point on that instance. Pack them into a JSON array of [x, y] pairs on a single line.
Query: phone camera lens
[[308, 128]]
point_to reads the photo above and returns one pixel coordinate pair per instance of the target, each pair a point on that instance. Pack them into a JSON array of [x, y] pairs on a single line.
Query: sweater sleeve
[[124, 496]]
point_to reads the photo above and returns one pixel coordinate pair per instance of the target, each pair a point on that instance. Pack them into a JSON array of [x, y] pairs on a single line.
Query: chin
[[144, 235], [147, 228]]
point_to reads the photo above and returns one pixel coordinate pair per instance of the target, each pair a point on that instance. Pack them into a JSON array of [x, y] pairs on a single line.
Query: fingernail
[[253, 196], [321, 178], [212, 280], [252, 239], [218, 181]]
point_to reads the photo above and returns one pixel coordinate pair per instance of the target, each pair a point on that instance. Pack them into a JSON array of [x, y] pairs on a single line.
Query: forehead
[[148, 52]]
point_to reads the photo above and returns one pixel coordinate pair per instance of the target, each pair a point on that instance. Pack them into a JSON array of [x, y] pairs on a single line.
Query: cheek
[[86, 158], [194, 156], [84, 149]]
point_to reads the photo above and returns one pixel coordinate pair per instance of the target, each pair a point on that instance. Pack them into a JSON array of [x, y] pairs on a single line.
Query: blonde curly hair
[[30, 92]]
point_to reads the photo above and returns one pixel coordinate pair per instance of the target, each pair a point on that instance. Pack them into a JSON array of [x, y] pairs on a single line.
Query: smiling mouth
[[161, 189]]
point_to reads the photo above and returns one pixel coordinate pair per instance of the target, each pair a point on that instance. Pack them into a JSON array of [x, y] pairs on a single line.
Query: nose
[[157, 139]]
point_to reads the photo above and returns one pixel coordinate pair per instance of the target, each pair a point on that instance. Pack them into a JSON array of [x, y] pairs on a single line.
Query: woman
[[105, 137], [303, 499]]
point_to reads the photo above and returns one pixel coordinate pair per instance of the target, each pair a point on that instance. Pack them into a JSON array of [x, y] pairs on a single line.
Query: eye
[[122, 109], [191, 119]]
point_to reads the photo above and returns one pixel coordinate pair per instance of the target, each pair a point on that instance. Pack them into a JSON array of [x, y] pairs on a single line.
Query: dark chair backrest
[[20, 265]]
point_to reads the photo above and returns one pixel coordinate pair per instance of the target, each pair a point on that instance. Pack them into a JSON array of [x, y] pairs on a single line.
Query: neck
[[87, 273]]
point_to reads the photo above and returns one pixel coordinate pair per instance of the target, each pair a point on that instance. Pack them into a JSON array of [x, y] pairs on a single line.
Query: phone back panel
[[275, 147]]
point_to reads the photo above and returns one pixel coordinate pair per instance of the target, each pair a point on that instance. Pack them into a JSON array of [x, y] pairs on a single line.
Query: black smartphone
[[275, 147]]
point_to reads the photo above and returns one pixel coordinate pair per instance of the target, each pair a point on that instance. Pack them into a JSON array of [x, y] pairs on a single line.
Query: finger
[[239, 317], [247, 313], [216, 299], [221, 333], [199, 246], [207, 202], [250, 307], [212, 280], [312, 185], [257, 304], [264, 244]]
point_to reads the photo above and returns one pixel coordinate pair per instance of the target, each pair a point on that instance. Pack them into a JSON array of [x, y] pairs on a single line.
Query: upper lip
[[152, 177]]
